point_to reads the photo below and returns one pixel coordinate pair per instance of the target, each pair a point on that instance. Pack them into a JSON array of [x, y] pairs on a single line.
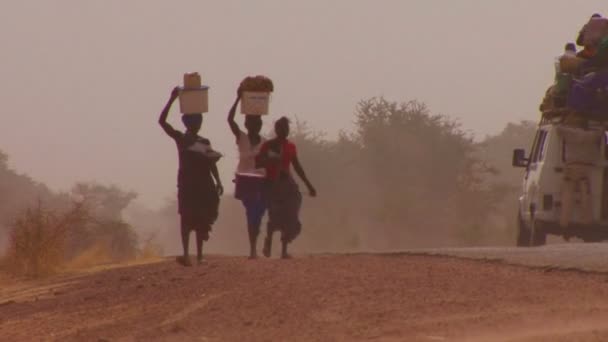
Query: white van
[[540, 206]]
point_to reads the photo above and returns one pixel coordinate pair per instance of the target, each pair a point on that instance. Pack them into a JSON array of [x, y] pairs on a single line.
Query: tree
[[106, 227], [39, 237], [404, 178], [18, 192], [104, 202], [497, 150], [431, 182]]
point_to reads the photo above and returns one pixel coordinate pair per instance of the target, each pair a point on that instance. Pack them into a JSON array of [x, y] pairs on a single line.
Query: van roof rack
[[556, 116]]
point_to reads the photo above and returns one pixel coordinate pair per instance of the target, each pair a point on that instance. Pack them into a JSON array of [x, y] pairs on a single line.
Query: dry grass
[[97, 254], [102, 254], [151, 249], [38, 239]]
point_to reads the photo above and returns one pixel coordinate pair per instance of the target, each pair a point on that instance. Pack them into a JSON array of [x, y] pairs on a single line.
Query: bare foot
[[267, 247], [184, 261], [285, 256], [253, 256]]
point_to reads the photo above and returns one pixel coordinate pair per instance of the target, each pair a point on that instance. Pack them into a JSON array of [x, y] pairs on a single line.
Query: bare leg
[[255, 211], [267, 245], [284, 254], [184, 260], [201, 235], [253, 240]]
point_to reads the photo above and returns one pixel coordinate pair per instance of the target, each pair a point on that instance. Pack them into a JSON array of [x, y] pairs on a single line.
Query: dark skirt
[[198, 207], [284, 202]]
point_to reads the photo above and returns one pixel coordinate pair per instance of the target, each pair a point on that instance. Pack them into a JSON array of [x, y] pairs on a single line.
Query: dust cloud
[[407, 178]]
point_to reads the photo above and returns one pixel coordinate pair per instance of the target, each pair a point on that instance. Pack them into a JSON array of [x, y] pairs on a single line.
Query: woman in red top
[[284, 198]]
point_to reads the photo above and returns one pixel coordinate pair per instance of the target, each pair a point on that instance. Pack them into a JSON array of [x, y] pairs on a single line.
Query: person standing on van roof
[[581, 34], [591, 34], [284, 198], [570, 49], [250, 181], [198, 181], [581, 152]]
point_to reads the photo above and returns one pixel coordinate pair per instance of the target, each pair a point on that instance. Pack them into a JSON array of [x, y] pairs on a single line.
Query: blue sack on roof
[[589, 96]]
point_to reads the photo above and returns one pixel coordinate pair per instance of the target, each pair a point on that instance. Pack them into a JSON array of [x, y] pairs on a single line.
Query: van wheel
[[538, 234], [523, 233]]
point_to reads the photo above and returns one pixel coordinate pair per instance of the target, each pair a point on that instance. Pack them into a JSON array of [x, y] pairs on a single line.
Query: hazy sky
[[82, 82]]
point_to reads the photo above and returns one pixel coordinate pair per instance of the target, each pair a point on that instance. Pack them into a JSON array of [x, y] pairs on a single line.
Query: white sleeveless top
[[247, 154]]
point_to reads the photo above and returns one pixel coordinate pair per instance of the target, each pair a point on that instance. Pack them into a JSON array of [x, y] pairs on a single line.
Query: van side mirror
[[519, 158]]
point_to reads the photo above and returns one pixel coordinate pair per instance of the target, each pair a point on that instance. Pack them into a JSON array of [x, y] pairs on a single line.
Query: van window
[[534, 144], [542, 145], [539, 147]]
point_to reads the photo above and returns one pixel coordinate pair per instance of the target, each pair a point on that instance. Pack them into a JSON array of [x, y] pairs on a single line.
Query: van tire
[[523, 233]]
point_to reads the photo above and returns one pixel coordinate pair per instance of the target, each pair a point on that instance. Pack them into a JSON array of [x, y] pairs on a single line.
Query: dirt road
[[591, 257], [317, 298]]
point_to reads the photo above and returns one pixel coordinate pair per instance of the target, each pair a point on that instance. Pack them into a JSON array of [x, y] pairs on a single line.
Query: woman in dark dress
[[284, 198], [198, 182]]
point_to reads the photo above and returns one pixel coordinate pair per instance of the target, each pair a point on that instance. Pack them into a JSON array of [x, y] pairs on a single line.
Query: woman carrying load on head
[[284, 198], [250, 180], [198, 181]]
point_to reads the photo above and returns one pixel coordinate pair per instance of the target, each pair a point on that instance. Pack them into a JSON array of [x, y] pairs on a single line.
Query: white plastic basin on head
[[255, 103], [193, 101]]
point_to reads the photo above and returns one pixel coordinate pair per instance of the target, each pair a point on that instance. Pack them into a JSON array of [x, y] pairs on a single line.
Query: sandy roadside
[[317, 298]]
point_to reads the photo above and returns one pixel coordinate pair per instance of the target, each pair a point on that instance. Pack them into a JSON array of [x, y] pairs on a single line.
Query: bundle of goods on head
[[255, 95]]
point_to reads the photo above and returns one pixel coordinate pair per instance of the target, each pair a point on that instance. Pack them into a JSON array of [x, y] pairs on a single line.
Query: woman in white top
[[250, 181]]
